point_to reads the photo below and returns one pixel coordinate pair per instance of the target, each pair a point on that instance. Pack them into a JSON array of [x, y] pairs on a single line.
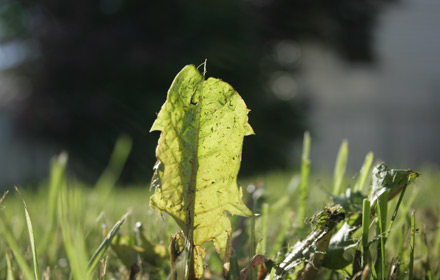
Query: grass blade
[[401, 243], [340, 167], [281, 234], [305, 174], [15, 249], [252, 241], [96, 257], [436, 242], [261, 248], [31, 238], [365, 170], [396, 209], [405, 208], [57, 179], [234, 273], [365, 232], [3, 196], [382, 207], [10, 272], [73, 238], [427, 262], [119, 157], [412, 244]]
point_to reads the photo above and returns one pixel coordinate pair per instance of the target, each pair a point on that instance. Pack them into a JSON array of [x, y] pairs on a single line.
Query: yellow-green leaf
[[203, 123]]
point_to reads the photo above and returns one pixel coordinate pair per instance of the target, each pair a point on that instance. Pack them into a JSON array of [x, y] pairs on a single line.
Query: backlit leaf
[[203, 123]]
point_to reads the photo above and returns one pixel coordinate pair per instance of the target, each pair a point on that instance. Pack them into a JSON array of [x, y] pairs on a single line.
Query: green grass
[[304, 181], [340, 167], [65, 228]]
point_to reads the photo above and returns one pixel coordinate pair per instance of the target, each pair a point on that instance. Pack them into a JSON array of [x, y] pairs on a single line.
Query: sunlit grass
[[66, 226]]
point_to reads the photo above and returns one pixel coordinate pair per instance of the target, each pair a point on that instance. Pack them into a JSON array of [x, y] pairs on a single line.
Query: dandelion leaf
[[202, 124], [387, 180]]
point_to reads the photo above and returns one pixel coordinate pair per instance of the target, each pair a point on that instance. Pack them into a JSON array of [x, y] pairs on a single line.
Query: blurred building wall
[[391, 108]]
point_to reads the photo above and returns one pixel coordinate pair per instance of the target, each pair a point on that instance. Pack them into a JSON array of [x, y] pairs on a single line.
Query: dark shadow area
[[99, 69]]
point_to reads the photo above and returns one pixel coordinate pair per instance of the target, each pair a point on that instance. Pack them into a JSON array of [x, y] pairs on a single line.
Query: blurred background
[[75, 75]]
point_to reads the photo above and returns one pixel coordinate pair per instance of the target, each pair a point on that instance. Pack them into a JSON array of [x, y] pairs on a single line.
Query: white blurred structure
[[391, 108]]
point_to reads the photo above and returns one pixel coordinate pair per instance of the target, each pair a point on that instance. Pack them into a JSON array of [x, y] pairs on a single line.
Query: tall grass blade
[[261, 249], [15, 249], [3, 196], [382, 207], [365, 232], [281, 234], [305, 174], [436, 242], [96, 257], [252, 274], [427, 262], [10, 271], [280, 204], [340, 167], [57, 179], [119, 157], [31, 238], [412, 244], [401, 243], [396, 209], [405, 207], [365, 170], [73, 238], [234, 273]]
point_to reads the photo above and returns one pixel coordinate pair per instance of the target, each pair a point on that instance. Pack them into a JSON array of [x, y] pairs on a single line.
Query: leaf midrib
[[191, 195]]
